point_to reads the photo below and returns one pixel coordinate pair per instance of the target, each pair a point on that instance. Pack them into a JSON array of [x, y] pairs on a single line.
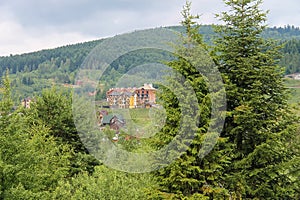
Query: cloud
[[65, 21], [53, 12], [16, 39], [283, 12], [36, 24]]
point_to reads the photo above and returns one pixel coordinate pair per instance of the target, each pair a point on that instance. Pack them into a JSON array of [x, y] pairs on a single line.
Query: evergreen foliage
[[32, 72], [192, 175], [39, 160], [257, 155], [7, 102], [258, 121]]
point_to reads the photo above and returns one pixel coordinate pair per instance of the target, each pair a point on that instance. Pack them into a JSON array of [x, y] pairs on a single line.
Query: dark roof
[[106, 119], [114, 93], [128, 93]]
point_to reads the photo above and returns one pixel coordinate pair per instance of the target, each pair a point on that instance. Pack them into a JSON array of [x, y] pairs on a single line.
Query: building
[[26, 102], [295, 76], [119, 97], [146, 94], [131, 97], [115, 122]]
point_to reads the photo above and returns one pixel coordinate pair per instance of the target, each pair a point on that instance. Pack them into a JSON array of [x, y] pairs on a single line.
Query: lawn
[[294, 90]]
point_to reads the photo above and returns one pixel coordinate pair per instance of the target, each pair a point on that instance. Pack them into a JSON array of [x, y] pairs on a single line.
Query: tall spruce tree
[[258, 120], [189, 114]]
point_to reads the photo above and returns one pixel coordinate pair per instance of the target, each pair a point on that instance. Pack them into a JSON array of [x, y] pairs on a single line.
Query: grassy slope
[[294, 89]]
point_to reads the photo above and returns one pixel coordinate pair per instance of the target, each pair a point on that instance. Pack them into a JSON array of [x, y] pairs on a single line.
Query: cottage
[[115, 122]]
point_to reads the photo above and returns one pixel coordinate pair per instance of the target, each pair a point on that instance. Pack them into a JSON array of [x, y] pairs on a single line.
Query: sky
[[31, 25]]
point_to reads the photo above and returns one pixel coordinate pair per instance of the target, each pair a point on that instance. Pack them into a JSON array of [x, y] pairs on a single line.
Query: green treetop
[[257, 122], [188, 103]]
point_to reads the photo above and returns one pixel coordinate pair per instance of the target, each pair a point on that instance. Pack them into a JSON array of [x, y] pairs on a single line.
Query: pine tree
[[258, 119], [188, 114]]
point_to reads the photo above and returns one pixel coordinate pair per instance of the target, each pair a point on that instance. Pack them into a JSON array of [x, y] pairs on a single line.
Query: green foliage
[[31, 162], [42, 155], [54, 108], [37, 160], [258, 124], [32, 72], [6, 102], [192, 175], [291, 56], [134, 69], [105, 184]]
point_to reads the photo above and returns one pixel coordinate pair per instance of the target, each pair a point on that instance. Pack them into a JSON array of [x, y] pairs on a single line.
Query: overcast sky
[[30, 25]]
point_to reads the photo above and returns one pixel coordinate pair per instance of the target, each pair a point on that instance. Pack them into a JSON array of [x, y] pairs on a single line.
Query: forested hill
[[33, 71], [76, 53], [31, 61]]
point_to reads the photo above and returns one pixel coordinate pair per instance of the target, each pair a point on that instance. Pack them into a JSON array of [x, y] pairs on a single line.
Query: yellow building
[[131, 102]]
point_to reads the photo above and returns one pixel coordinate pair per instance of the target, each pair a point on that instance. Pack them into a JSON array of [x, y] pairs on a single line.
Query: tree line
[[33, 71], [254, 156]]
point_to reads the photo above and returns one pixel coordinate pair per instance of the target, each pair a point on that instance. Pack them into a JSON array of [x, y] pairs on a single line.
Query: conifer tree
[[54, 108], [258, 119], [190, 176]]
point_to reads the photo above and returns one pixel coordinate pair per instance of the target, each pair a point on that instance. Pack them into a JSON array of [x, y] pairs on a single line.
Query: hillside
[[155, 115], [33, 71]]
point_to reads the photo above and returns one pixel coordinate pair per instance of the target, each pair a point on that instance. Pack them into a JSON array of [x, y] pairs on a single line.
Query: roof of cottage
[[106, 119]]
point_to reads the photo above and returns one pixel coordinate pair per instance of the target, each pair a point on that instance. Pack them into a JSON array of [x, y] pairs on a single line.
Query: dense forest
[[33, 71], [232, 137]]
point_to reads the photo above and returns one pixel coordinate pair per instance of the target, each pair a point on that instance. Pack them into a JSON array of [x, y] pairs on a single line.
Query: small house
[[115, 122]]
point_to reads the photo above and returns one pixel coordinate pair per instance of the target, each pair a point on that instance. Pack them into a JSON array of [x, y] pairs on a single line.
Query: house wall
[[26, 103], [121, 98], [145, 95]]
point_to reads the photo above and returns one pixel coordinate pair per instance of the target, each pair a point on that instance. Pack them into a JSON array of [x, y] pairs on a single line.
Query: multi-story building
[[131, 97]]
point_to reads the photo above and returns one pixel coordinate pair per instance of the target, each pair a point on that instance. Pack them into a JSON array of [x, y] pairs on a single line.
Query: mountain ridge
[[30, 72], [279, 35]]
